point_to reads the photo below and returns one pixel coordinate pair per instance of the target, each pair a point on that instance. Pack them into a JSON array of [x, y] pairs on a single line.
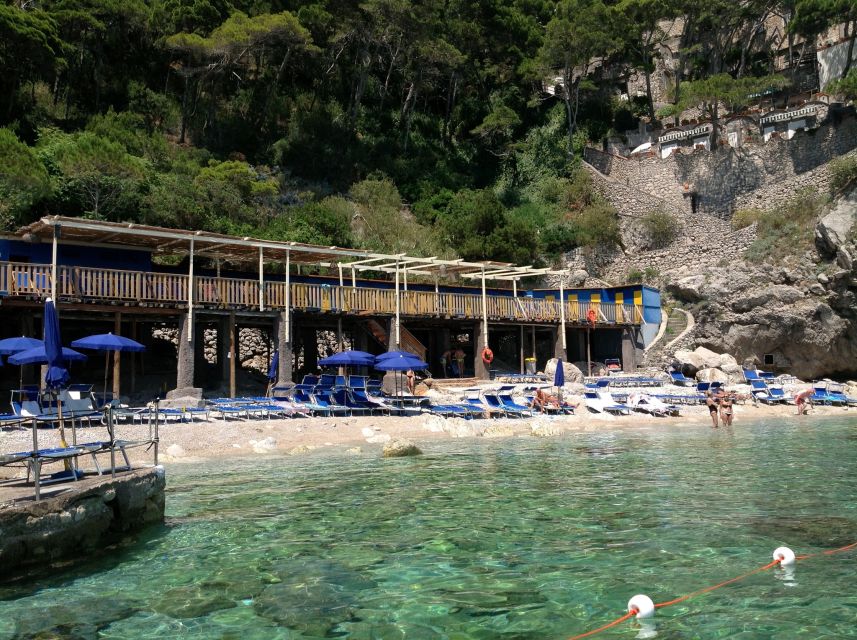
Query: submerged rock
[[400, 448]]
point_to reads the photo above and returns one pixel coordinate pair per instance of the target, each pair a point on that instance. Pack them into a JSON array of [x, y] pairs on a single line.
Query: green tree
[[24, 181], [100, 169], [580, 32], [639, 25], [30, 49], [846, 87]]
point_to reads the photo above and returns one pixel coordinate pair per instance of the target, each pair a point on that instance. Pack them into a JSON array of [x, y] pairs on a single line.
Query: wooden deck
[[145, 289]]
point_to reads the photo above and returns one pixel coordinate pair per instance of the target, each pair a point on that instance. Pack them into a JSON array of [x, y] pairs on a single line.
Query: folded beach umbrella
[[351, 358], [107, 342], [8, 346], [559, 377], [275, 365]]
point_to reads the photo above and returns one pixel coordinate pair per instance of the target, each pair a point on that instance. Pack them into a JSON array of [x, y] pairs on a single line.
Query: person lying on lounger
[[542, 400]]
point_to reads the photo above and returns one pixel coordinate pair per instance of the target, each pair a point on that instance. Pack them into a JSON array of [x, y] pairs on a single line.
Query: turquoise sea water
[[513, 538]]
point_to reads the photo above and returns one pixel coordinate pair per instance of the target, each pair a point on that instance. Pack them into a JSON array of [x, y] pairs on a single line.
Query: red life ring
[[590, 316], [487, 355]]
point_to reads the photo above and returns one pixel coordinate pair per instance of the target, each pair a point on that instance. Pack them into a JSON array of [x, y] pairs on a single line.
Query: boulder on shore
[[400, 448], [572, 373]]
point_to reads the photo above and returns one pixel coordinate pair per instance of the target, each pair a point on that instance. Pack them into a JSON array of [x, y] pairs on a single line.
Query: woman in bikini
[[726, 410], [713, 408]]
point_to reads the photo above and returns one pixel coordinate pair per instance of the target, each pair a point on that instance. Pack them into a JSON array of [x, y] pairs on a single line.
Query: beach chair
[[494, 402], [504, 395], [325, 400], [603, 402], [374, 403], [309, 380], [680, 379], [763, 394], [645, 403], [837, 394], [357, 382], [326, 382]]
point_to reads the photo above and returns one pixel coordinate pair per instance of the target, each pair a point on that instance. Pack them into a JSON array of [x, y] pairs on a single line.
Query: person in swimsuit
[[713, 409], [726, 410], [803, 400]]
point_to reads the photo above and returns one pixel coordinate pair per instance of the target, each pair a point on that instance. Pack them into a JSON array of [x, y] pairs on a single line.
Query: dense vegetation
[[402, 126]]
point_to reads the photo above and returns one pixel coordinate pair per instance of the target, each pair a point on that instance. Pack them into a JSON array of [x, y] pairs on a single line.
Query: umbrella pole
[[104, 388], [37, 471], [110, 428]]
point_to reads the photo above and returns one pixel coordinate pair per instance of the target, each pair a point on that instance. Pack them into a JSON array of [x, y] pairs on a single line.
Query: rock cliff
[[800, 312]]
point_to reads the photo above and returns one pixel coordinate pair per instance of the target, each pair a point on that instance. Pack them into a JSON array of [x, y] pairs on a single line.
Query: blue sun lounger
[[680, 379]]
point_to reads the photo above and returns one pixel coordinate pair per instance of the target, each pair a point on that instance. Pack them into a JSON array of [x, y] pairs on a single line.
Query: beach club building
[[202, 288]]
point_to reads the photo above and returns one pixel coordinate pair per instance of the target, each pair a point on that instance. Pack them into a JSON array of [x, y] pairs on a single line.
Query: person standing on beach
[[713, 409], [459, 360], [803, 400], [444, 358], [726, 409], [411, 381]]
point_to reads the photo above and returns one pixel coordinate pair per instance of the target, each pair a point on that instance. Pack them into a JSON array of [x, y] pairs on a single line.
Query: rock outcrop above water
[[400, 448]]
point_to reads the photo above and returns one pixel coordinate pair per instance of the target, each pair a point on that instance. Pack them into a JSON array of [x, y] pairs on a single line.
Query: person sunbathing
[[541, 400]]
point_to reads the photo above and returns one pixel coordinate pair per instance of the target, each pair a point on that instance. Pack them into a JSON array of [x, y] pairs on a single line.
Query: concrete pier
[[76, 519]]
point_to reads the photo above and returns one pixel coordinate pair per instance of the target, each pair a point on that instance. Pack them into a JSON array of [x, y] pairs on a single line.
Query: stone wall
[[726, 179], [80, 521]]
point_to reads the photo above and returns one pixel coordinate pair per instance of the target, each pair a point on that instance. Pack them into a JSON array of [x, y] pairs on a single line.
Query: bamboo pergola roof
[[180, 242]]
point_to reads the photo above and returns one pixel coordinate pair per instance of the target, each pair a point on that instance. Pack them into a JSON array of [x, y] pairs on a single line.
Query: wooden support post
[[484, 308], [261, 280], [54, 273], [397, 308], [117, 356], [233, 356], [521, 344], [190, 288], [133, 357], [288, 314]]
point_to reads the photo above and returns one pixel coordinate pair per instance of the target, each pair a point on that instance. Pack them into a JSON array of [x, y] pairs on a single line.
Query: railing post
[[54, 264], [288, 318], [190, 296], [398, 336], [261, 281]]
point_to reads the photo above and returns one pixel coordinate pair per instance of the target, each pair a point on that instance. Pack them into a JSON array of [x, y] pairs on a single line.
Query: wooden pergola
[[182, 242]]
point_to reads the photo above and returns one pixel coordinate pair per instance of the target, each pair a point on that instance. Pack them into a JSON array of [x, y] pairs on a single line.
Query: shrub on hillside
[[597, 224], [789, 230], [660, 227], [743, 218], [843, 172]]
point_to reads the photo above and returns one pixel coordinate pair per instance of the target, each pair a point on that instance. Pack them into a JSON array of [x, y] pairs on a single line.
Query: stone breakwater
[[79, 520]]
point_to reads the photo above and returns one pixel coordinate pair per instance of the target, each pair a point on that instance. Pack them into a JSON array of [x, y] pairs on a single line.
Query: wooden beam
[[232, 355], [117, 357]]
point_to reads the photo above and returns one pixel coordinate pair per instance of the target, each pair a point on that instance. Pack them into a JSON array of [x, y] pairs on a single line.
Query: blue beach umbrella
[[275, 365], [351, 358], [395, 354], [108, 342], [559, 378], [559, 375], [9, 346], [39, 355], [399, 361], [57, 375]]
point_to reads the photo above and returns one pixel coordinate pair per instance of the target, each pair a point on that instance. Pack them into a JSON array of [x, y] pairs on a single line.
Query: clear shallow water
[[520, 538]]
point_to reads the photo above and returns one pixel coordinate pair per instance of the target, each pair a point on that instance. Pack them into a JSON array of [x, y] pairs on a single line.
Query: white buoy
[[642, 605], [785, 555]]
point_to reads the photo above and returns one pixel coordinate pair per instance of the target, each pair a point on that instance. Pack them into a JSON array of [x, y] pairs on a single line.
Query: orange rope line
[[717, 586], [699, 592], [632, 612]]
